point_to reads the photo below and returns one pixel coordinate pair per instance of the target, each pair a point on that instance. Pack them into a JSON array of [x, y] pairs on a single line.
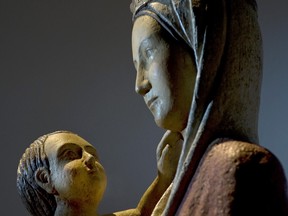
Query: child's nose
[[89, 160]]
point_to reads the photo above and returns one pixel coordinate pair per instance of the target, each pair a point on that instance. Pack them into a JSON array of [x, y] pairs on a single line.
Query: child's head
[[60, 166]]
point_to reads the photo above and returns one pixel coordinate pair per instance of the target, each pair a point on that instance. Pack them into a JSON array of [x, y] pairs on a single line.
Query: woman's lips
[[151, 102]]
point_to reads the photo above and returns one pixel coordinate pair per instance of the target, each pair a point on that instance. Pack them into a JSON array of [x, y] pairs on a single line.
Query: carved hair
[[37, 201]]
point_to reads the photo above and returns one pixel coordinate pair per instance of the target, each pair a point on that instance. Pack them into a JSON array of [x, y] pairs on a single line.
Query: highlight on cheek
[[71, 171]]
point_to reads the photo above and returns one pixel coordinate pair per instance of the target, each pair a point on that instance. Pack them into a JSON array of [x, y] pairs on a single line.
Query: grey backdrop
[[67, 65]]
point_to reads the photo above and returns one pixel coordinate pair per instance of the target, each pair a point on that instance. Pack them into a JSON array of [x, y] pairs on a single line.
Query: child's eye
[[71, 155]]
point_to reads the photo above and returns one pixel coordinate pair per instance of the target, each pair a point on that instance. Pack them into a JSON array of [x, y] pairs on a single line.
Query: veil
[[225, 41]]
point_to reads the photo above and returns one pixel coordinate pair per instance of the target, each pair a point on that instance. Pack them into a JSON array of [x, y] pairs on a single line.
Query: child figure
[[60, 175]]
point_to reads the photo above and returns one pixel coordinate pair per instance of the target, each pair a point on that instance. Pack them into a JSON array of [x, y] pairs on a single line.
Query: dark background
[[68, 65]]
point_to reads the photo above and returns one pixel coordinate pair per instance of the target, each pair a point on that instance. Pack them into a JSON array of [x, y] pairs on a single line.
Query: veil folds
[[225, 40]]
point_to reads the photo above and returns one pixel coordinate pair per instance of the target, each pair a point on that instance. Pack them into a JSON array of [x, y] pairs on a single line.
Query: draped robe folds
[[234, 178]]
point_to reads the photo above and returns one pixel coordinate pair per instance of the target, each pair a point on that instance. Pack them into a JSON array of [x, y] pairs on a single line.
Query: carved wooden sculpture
[[60, 175], [199, 69]]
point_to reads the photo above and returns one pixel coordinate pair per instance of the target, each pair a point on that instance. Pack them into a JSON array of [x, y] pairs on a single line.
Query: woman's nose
[[142, 85]]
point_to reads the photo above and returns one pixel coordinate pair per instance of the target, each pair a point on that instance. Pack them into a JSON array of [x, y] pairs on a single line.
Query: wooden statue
[[199, 69], [60, 175]]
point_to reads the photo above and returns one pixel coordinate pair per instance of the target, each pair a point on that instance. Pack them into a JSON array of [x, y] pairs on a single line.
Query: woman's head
[[224, 69], [186, 30], [166, 73]]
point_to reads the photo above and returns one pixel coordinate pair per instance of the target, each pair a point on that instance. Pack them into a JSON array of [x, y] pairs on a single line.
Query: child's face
[[76, 173]]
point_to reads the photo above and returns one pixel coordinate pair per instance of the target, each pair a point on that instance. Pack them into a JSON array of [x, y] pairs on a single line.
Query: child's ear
[[42, 178]]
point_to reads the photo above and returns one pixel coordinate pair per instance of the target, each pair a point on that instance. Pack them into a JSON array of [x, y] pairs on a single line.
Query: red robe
[[236, 179]]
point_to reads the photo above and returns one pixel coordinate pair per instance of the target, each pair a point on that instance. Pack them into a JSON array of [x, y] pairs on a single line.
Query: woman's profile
[[199, 70]]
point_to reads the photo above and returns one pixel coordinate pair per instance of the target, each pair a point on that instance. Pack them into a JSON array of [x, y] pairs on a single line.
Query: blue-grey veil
[[227, 51]]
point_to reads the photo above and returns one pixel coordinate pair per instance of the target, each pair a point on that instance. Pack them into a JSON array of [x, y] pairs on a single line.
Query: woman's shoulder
[[232, 158], [239, 153], [251, 168], [237, 178]]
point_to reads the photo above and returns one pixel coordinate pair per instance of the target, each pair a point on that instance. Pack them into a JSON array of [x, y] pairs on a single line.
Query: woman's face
[[76, 172], [165, 73]]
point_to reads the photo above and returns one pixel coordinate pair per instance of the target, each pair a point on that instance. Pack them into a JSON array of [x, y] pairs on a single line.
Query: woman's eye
[[149, 53]]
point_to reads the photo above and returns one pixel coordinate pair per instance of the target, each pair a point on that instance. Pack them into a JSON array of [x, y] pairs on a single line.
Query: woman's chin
[[170, 124]]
